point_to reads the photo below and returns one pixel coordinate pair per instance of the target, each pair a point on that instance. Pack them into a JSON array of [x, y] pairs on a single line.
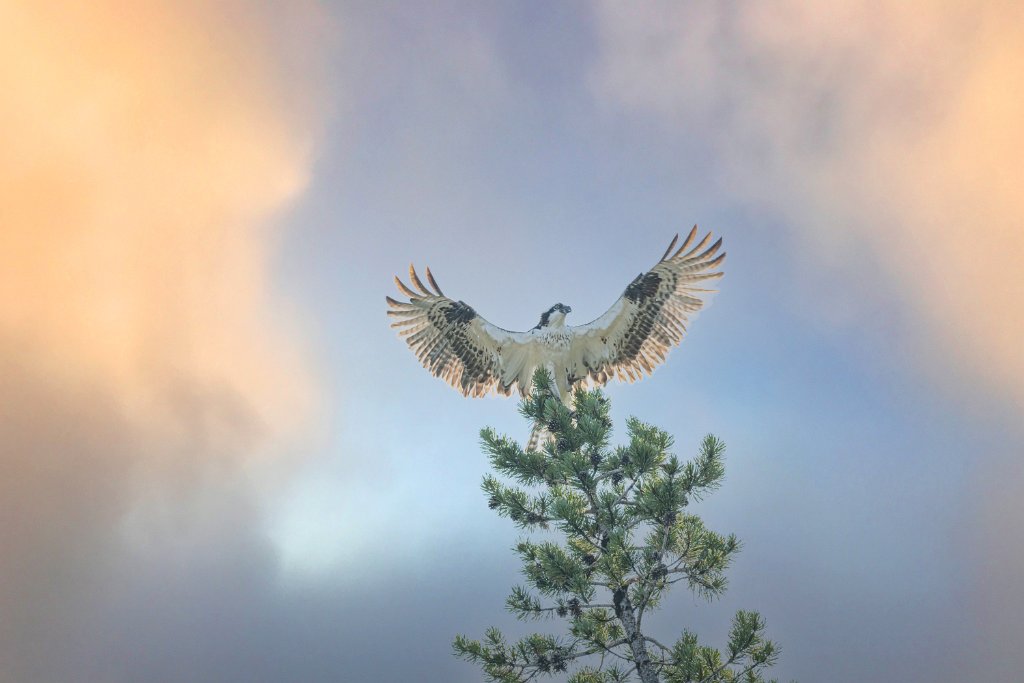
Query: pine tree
[[627, 540]]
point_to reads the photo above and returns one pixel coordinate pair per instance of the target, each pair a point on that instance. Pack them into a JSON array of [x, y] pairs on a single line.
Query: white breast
[[557, 340]]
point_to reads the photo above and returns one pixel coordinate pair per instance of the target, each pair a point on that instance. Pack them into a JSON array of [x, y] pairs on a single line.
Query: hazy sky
[[218, 463]]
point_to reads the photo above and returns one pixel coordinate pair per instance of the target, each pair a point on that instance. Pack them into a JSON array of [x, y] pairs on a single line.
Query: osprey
[[477, 357]]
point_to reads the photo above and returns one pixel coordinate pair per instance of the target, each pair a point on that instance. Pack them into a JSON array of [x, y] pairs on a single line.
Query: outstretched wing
[[454, 343], [637, 332]]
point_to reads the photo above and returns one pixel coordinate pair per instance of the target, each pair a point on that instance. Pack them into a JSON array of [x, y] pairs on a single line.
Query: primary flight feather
[[476, 357]]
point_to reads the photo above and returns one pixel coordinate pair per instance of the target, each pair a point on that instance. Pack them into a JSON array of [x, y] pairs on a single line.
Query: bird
[[477, 358]]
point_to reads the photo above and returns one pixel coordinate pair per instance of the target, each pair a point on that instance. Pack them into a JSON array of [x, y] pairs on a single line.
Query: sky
[[219, 463]]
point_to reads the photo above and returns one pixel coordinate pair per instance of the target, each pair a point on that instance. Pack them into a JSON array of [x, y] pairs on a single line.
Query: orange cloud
[[147, 147], [145, 152]]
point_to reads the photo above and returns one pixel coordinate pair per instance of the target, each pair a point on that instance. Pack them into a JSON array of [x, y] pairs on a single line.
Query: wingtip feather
[[433, 282], [695, 248], [670, 246], [417, 282], [717, 261], [687, 242], [405, 290], [710, 251]]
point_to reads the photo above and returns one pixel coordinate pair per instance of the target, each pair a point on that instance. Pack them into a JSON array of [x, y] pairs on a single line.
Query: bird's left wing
[[650, 317], [456, 344]]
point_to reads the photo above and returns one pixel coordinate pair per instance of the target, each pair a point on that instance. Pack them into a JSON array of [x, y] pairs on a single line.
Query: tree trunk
[[627, 617]]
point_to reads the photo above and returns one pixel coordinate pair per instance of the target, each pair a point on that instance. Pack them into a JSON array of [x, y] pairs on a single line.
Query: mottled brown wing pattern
[[448, 337], [650, 317]]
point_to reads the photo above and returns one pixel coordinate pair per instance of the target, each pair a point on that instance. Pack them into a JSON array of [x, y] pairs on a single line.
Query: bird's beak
[[568, 309]]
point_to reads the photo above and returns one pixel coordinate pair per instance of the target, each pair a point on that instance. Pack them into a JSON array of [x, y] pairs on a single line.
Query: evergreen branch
[[659, 567], [659, 645]]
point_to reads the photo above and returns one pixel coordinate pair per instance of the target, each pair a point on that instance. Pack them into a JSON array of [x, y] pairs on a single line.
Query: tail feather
[[539, 436]]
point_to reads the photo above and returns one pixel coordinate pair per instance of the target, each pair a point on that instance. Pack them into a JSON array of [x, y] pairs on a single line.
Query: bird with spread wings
[[476, 357]]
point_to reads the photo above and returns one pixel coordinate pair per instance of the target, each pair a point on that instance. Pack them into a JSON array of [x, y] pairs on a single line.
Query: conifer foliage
[[626, 539]]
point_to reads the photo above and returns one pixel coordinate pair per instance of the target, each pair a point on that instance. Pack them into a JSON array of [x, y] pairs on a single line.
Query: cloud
[[146, 361], [887, 137]]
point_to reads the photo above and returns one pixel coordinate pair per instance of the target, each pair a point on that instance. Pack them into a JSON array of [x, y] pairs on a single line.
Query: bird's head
[[554, 316]]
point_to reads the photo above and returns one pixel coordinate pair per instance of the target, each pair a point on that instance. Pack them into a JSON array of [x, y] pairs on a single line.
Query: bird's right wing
[[456, 344], [650, 317]]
